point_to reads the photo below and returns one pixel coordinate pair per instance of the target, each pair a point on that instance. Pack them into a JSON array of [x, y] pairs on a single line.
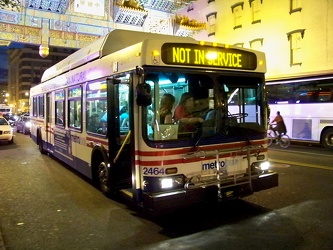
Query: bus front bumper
[[159, 203]]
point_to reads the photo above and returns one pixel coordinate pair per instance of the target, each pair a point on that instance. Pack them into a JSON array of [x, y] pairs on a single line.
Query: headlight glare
[[176, 181], [264, 165], [260, 166], [166, 183]]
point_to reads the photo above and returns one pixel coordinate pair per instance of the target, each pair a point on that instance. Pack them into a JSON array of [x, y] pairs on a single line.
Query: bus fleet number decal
[[153, 171]]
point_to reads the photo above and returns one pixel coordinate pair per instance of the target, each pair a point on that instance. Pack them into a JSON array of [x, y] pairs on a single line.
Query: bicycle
[[283, 140]]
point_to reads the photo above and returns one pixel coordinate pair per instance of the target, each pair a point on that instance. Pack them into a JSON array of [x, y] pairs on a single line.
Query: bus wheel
[[40, 144], [328, 138], [104, 179]]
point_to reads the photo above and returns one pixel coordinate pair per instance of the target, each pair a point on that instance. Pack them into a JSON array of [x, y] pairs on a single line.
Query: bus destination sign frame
[[188, 54]]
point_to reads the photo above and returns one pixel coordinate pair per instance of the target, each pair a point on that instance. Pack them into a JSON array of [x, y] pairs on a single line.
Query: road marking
[[279, 165], [297, 152], [301, 164]]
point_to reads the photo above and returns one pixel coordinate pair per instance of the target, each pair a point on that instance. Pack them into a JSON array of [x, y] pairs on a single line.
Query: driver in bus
[[183, 113]]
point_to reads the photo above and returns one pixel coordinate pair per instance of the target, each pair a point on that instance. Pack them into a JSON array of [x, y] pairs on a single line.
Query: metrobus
[[158, 167], [306, 105]]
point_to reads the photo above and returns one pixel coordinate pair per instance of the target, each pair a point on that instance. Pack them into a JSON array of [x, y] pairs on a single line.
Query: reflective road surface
[[44, 205]]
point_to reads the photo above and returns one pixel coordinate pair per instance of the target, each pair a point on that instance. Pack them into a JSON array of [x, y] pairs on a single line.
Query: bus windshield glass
[[207, 107]]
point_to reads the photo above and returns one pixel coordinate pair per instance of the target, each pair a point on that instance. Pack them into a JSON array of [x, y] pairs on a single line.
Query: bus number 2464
[[153, 171]]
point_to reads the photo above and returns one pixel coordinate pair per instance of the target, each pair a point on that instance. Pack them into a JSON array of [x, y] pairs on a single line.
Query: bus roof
[[112, 42]]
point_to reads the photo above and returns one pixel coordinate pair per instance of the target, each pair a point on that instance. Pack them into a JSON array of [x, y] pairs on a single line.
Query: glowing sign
[[210, 56]]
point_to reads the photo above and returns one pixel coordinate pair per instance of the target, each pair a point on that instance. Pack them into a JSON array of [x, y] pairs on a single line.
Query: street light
[[43, 50]]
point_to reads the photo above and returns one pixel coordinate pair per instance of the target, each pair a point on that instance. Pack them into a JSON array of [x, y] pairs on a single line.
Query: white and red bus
[[76, 116], [306, 106]]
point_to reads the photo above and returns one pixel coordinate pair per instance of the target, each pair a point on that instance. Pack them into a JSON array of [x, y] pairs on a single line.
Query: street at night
[[44, 205], [164, 124]]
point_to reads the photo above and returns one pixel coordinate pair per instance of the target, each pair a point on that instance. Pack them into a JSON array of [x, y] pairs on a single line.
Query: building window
[[211, 19], [257, 44], [237, 11], [295, 38], [295, 6], [256, 8]]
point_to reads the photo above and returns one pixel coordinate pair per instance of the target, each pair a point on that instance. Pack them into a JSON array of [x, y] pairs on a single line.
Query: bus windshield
[[208, 106]]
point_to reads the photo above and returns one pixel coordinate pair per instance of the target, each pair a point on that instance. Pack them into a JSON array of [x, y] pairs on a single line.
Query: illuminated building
[[296, 36], [25, 70]]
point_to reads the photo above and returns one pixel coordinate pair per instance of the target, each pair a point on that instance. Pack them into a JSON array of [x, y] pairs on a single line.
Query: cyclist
[[280, 127]]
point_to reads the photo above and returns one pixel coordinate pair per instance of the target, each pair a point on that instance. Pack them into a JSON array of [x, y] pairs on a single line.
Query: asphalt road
[[44, 205]]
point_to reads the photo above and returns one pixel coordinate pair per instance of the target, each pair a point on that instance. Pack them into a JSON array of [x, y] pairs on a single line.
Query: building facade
[[296, 35], [25, 70], [76, 23]]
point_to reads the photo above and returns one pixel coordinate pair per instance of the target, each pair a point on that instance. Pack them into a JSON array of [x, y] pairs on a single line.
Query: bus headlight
[[264, 165], [158, 184], [166, 183], [261, 166], [176, 181]]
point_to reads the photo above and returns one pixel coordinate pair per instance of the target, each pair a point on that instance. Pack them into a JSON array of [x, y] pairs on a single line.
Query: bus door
[[120, 133], [48, 121]]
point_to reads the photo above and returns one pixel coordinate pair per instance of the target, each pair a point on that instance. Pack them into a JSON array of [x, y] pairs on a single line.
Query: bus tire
[[40, 143], [327, 138], [104, 179]]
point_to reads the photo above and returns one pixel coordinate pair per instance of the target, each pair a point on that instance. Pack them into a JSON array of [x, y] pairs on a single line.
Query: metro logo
[[212, 165], [223, 164]]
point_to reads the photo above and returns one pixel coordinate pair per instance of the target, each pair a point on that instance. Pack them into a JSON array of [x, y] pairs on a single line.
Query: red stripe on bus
[[182, 160], [201, 148]]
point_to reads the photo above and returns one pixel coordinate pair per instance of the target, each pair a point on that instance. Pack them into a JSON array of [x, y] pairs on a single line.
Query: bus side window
[[60, 113], [96, 116], [96, 107]]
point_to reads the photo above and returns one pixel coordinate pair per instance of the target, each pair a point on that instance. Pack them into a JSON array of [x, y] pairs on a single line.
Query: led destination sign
[[197, 55]]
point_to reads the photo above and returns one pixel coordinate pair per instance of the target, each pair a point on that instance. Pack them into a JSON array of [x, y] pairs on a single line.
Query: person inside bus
[[124, 116], [183, 113], [166, 106], [280, 127], [93, 123]]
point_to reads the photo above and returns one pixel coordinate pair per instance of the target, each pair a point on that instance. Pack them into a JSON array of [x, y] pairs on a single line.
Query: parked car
[[23, 124], [12, 120], [6, 131]]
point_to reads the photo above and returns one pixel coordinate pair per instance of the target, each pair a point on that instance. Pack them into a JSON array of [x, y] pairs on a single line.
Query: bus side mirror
[[143, 95]]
